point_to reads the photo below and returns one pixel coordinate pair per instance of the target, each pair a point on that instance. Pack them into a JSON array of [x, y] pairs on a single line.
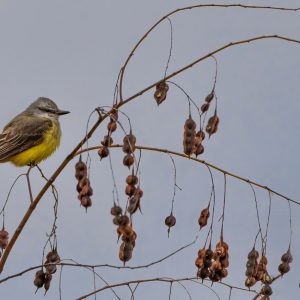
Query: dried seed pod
[[221, 249], [128, 160], [80, 169], [103, 152], [190, 124], [161, 92], [160, 96], [188, 149], [117, 220], [114, 115], [107, 141], [201, 135], [199, 263], [129, 143], [201, 253], [210, 97], [124, 219], [116, 210], [199, 149], [189, 136], [267, 279], [111, 126], [225, 261], [39, 279], [50, 269], [3, 238], [53, 257], [223, 273], [162, 86], [170, 221], [48, 278], [203, 217], [134, 204], [86, 202], [209, 253], [125, 254], [266, 290], [284, 268], [131, 179], [204, 107], [212, 124], [287, 257], [253, 254], [203, 273], [250, 281], [139, 192], [130, 190]]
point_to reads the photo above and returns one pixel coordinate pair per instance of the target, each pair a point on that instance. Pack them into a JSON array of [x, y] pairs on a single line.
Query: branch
[[99, 121], [225, 172], [121, 74], [100, 265], [160, 279]]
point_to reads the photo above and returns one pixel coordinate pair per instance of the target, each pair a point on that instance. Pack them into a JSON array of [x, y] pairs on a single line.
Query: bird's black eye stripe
[[53, 111]]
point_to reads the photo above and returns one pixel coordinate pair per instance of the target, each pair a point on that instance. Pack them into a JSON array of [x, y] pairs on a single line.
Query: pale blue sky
[[71, 52]]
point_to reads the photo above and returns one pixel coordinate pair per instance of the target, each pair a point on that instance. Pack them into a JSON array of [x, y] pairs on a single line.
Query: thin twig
[[157, 279], [102, 265], [121, 75]]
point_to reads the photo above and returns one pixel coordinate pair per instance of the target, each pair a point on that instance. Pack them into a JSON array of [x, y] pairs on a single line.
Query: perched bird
[[33, 135]]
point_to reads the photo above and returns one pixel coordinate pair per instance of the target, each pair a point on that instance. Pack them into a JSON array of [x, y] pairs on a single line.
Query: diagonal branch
[[102, 118]]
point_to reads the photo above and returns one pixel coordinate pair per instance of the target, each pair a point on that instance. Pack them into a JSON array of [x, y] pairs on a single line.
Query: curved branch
[[99, 121], [121, 74], [225, 172], [73, 264], [160, 279]]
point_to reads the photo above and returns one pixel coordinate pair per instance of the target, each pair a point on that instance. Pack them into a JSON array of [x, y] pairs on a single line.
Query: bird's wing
[[22, 133]]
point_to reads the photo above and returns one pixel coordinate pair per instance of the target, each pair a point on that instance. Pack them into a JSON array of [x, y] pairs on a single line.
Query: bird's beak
[[62, 112]]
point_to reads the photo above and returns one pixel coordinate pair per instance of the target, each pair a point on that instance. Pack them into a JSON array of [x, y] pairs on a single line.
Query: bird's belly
[[39, 152]]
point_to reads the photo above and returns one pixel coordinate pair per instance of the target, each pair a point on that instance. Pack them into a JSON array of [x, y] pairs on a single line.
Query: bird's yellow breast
[[37, 153]]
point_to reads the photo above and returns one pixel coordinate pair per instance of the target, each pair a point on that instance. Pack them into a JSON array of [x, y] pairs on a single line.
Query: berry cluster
[[160, 93], [213, 122], [286, 259], [134, 193], [44, 278], [125, 231], [107, 140], [189, 135], [83, 187], [128, 148], [192, 141], [257, 271], [213, 264]]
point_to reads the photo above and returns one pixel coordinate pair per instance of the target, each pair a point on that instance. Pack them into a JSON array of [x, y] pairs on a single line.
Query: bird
[[33, 135]]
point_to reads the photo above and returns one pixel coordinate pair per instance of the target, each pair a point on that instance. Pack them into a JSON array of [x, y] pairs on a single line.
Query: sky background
[[71, 51]]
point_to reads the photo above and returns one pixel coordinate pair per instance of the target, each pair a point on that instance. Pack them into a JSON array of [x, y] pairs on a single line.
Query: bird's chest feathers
[[41, 151]]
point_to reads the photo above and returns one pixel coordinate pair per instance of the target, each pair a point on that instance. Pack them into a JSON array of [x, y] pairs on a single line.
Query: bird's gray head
[[45, 107]]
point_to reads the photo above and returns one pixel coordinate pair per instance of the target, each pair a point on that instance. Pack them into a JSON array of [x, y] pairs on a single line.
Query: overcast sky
[[71, 51]]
